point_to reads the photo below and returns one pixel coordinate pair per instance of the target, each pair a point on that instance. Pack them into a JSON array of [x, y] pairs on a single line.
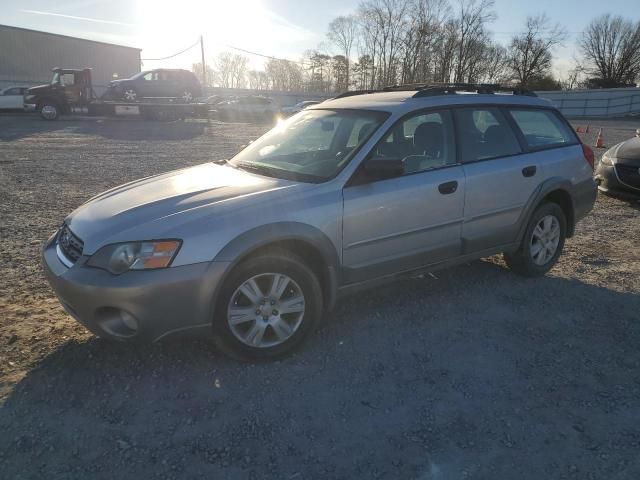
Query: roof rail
[[353, 93], [480, 88], [436, 89]]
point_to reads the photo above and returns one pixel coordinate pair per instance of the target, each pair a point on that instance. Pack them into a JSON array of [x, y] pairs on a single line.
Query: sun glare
[[165, 26]]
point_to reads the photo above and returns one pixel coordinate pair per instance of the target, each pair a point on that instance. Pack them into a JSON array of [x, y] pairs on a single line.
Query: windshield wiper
[[256, 168]]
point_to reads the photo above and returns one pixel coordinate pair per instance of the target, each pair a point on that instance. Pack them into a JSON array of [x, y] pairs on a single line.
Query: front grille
[[70, 245], [629, 175]]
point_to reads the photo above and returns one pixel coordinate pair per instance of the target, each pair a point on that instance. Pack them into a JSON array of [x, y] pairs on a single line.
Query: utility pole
[[204, 67]]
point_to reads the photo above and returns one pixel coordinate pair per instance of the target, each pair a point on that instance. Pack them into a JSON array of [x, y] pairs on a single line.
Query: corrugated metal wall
[[27, 57]]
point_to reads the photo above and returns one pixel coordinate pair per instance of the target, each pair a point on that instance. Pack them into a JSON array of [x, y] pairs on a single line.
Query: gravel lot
[[470, 373]]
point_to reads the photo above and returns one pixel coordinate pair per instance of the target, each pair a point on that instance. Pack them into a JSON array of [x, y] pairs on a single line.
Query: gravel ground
[[470, 373]]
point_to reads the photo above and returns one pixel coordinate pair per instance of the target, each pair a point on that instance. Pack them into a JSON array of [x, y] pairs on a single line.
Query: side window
[[483, 133], [150, 76], [424, 141], [542, 128], [67, 79]]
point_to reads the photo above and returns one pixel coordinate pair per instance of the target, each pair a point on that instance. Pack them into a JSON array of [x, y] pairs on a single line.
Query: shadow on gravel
[[134, 129], [472, 373]]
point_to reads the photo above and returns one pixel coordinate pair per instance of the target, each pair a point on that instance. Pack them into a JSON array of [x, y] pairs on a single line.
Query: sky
[[280, 28]]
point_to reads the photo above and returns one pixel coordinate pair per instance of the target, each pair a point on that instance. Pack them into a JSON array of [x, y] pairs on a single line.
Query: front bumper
[[609, 182], [162, 302]]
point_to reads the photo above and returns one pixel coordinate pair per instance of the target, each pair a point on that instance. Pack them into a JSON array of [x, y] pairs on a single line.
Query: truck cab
[[68, 88]]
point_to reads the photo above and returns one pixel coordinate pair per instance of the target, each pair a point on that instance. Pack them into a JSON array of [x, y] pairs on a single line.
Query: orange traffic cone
[[599, 140]]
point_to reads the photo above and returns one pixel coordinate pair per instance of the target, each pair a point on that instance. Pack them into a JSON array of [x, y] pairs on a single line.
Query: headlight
[[606, 160], [121, 257]]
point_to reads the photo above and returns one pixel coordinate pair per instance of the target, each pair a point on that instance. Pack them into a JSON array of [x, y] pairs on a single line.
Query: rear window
[[542, 128]]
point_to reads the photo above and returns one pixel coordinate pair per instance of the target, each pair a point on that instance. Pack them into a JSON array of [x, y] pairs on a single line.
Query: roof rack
[[437, 89], [480, 88], [352, 93]]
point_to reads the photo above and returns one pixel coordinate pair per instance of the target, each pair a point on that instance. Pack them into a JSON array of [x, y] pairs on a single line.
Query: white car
[[12, 98]]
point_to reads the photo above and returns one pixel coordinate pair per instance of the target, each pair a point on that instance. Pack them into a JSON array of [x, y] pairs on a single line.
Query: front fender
[[265, 235]]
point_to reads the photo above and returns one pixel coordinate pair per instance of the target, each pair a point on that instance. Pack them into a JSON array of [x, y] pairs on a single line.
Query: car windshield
[[312, 146]]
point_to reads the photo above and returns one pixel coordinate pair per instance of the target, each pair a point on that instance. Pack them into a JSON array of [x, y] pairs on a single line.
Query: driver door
[[412, 220]]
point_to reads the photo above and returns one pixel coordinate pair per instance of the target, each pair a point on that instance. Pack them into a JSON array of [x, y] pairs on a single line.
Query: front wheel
[[542, 243], [49, 110], [267, 307], [130, 94]]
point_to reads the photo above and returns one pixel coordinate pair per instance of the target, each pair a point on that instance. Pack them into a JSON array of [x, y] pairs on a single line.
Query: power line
[[267, 56], [171, 56]]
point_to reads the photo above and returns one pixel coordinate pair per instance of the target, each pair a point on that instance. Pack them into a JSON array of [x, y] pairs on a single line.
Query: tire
[[49, 110], [259, 332], [536, 256]]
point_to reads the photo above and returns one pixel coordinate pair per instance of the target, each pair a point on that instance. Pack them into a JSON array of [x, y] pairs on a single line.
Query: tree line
[[388, 42]]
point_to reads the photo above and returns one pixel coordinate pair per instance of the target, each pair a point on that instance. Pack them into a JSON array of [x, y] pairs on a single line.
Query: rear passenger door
[[500, 178]]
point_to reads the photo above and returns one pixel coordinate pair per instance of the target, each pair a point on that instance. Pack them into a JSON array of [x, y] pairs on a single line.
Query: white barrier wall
[[605, 102]]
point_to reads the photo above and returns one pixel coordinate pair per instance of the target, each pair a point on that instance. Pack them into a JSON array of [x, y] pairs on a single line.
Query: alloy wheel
[[130, 95], [266, 310], [545, 240]]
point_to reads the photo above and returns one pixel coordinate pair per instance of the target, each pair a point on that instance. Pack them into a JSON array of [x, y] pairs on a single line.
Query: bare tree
[[421, 38], [383, 22], [473, 17], [530, 52], [342, 33], [230, 70], [611, 45]]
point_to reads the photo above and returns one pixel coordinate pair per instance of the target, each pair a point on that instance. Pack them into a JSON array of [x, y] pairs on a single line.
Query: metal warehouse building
[[27, 57]]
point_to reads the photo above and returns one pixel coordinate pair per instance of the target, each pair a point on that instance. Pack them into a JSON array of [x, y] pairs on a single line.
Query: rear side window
[[484, 133], [542, 128]]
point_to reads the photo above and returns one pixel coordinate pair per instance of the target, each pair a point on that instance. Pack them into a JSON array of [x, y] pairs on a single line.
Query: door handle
[[529, 171], [448, 187]]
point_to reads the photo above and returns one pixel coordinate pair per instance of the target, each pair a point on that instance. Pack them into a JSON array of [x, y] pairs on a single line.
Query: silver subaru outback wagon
[[343, 195]]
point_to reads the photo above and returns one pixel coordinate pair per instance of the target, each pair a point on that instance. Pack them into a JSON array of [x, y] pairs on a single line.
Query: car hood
[[629, 150], [155, 206], [39, 89]]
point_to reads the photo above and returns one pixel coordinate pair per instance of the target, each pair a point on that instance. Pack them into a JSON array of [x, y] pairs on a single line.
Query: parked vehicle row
[[341, 196]]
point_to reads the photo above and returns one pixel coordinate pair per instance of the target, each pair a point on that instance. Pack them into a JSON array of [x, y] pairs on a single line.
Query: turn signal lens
[[156, 255]]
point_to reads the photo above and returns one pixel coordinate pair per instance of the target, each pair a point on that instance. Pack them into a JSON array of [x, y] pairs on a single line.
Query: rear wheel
[[542, 243], [267, 307], [187, 96]]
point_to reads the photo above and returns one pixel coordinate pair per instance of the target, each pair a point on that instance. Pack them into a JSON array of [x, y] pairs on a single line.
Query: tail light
[[589, 156]]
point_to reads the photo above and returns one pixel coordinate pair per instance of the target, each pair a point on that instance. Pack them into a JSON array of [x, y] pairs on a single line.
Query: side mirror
[[381, 168]]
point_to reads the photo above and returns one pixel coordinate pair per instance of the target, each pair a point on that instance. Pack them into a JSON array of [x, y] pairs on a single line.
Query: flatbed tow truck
[[71, 91]]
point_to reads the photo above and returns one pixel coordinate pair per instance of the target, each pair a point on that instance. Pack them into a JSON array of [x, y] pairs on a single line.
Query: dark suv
[[181, 84]]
